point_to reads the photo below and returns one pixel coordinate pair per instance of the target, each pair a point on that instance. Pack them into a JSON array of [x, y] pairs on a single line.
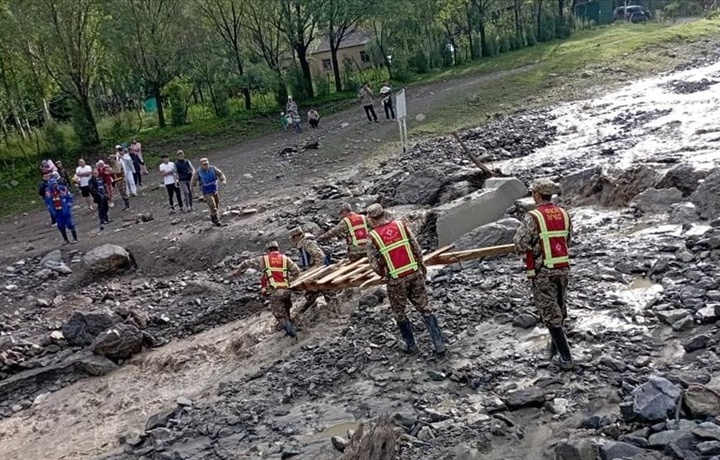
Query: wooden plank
[[475, 158], [342, 270], [314, 273], [358, 271], [371, 281], [437, 252]]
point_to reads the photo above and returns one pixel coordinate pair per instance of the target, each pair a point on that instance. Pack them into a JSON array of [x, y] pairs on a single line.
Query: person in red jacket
[[354, 228], [543, 239]]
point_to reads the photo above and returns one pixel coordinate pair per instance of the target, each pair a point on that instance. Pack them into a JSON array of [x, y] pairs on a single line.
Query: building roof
[[353, 39]]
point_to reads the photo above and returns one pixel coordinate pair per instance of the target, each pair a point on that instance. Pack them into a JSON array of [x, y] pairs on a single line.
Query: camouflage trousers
[[331, 298], [280, 304], [355, 253], [411, 288], [550, 293]]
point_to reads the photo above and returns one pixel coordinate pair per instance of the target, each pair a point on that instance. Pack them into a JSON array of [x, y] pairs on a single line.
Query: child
[[284, 121], [296, 120]]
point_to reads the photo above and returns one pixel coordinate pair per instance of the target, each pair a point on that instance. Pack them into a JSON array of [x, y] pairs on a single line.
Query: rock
[[493, 234], [683, 177], [133, 439], [57, 336], [82, 328], [107, 258], [524, 321], [425, 434], [119, 342], [671, 316], [702, 401], [421, 188], [664, 438], [436, 376], [97, 366], [684, 324], [707, 196], [159, 420], [529, 397], [575, 449], [339, 443], [709, 314], [52, 257], [559, 406], [619, 450], [682, 213], [655, 400], [696, 343], [709, 448], [707, 430], [201, 287], [7, 342], [184, 401], [613, 363], [654, 201]]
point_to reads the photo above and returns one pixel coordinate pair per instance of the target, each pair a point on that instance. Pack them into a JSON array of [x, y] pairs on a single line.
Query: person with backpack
[[99, 192], [207, 177]]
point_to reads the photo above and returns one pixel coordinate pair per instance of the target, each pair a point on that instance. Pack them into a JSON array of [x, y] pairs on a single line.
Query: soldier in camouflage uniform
[[355, 236], [394, 253], [312, 256], [275, 286], [543, 239]]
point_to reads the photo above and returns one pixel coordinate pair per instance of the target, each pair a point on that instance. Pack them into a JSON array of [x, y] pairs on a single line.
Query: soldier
[[208, 177], [277, 269], [118, 173], [311, 256], [543, 239], [354, 228], [394, 253]]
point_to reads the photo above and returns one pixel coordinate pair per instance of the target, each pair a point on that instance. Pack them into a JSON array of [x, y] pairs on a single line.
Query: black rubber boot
[[63, 232], [74, 234], [558, 336], [127, 203], [407, 335], [551, 348], [290, 328], [435, 334]]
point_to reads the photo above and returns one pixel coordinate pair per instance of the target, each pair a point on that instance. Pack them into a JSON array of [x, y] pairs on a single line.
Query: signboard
[[400, 107]]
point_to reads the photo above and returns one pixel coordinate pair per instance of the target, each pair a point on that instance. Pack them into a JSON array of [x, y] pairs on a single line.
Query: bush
[[297, 84], [504, 43], [178, 93], [418, 63], [55, 139], [219, 98], [322, 84]]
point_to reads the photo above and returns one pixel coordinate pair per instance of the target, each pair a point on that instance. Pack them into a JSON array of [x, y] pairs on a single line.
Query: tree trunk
[[468, 16], [87, 113], [335, 65], [485, 52], [518, 24], [18, 124], [539, 22], [46, 110], [3, 128], [157, 94], [305, 67]]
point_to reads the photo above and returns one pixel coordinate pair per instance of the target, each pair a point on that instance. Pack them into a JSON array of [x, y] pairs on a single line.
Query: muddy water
[[645, 121]]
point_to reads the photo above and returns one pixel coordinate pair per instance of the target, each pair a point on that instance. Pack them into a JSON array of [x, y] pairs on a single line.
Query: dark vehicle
[[632, 13]]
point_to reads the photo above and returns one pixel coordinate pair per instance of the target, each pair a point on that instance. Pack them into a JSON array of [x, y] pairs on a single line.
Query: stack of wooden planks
[[345, 274]]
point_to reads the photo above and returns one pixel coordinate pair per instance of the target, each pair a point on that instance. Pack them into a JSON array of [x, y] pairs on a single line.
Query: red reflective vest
[[393, 242], [275, 268], [357, 229], [553, 224]]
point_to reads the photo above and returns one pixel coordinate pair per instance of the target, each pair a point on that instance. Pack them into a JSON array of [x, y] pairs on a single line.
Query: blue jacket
[[208, 180], [59, 200]]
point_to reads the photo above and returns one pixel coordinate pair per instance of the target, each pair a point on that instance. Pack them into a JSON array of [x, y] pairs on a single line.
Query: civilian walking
[[207, 176], [170, 179], [365, 96], [185, 171]]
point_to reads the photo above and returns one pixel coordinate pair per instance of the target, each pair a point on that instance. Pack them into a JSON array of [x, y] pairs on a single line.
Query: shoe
[[217, 223], [172, 211], [564, 361], [75, 242], [407, 335], [290, 328], [102, 227], [66, 243], [112, 204], [435, 334], [108, 221]]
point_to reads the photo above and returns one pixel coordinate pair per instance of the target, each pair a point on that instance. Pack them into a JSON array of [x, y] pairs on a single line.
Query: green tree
[[266, 40]]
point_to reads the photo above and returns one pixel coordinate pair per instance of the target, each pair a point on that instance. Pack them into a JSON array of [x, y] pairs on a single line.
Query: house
[[352, 47]]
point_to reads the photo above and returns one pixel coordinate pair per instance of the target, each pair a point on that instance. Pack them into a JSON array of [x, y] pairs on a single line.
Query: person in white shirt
[[84, 173], [168, 171], [128, 167]]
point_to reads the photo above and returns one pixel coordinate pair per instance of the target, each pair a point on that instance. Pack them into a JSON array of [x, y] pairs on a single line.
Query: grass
[[541, 74], [564, 70]]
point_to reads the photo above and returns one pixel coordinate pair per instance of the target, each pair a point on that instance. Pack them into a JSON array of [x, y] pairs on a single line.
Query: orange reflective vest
[[357, 229], [553, 224], [275, 270], [392, 241]]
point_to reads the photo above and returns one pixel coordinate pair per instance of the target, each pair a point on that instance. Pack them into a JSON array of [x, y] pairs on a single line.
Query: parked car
[[632, 13]]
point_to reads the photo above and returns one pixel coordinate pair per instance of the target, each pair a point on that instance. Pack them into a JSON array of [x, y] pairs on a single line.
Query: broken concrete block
[[487, 205]]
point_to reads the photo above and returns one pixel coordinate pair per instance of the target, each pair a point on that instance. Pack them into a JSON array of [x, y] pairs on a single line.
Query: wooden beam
[[475, 159], [313, 273], [358, 271], [342, 270]]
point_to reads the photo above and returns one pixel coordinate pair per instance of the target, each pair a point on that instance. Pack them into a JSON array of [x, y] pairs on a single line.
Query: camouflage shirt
[[527, 237], [377, 262], [340, 230], [258, 263], [310, 246]]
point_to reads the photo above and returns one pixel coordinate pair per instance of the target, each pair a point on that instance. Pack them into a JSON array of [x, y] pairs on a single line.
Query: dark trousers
[[388, 106], [314, 123], [173, 190], [138, 175], [370, 110], [103, 205]]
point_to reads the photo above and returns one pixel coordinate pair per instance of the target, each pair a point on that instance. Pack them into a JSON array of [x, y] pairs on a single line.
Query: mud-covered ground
[[217, 382]]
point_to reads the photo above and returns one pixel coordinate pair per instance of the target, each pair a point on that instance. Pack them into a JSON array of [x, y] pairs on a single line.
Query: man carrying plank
[[277, 269], [543, 239], [354, 228], [312, 256], [394, 254]]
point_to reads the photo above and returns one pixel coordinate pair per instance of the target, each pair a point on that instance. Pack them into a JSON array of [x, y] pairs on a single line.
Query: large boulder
[[653, 200], [575, 449], [702, 401], [707, 196], [655, 400], [619, 450], [107, 258], [53, 260], [119, 342], [82, 328], [683, 177], [422, 187], [494, 234]]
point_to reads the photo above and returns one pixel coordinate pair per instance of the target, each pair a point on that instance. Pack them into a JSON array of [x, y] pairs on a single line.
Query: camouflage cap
[[544, 186], [271, 245], [346, 207], [297, 231], [375, 211]]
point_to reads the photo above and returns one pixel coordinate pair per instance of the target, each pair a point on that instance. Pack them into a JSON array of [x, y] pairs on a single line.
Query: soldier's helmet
[[345, 208], [271, 245], [297, 231], [375, 211], [545, 186]]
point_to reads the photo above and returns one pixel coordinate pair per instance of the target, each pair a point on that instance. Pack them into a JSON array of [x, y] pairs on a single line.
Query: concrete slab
[[487, 205]]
